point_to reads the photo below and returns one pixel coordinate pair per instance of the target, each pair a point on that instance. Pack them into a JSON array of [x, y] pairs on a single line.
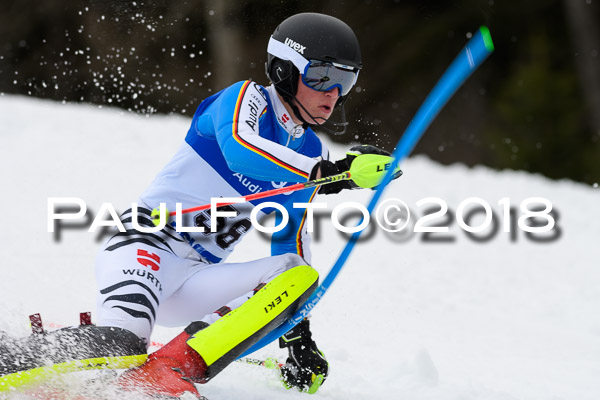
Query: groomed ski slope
[[413, 319]]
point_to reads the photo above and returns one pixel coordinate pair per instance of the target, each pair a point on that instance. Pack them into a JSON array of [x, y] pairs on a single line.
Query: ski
[[37, 366], [44, 356]]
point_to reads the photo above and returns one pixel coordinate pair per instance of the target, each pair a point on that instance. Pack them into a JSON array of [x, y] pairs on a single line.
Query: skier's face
[[318, 104]]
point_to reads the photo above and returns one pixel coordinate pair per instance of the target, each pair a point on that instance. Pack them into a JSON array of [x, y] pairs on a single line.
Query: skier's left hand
[[305, 369], [333, 168], [345, 163]]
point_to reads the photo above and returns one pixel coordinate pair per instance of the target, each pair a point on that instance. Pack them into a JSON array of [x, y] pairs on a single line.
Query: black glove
[[329, 168], [355, 151], [306, 367]]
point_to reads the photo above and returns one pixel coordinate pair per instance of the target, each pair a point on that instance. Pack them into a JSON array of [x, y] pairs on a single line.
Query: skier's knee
[[293, 260], [285, 262]]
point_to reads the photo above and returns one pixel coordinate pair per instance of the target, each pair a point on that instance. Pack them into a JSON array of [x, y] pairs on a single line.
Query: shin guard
[[226, 339]]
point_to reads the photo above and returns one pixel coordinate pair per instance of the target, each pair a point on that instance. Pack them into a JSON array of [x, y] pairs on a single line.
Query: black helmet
[[302, 41]]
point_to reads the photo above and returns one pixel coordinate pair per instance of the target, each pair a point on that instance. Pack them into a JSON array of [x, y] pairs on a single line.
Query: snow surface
[[406, 319]]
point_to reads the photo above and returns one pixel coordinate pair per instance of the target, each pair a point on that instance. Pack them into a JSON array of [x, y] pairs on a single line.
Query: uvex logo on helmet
[[294, 45]]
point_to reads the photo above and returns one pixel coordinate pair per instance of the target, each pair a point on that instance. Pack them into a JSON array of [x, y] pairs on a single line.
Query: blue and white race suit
[[241, 141]]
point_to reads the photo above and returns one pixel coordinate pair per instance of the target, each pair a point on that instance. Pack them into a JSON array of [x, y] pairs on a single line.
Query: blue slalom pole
[[471, 56]]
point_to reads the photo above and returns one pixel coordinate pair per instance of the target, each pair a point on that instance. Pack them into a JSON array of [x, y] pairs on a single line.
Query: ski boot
[[169, 372]]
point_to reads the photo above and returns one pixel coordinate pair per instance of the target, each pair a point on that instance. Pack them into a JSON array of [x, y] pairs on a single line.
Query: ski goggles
[[325, 75], [317, 75]]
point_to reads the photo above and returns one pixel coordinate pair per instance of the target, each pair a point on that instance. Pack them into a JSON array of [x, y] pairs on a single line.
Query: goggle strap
[[281, 50]]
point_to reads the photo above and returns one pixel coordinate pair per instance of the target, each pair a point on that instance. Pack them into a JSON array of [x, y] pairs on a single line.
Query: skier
[[244, 139]]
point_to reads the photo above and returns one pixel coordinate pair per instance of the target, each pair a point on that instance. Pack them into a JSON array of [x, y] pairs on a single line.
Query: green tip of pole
[[487, 38]]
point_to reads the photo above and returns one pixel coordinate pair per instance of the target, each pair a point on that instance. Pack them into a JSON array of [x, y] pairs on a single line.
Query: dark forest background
[[533, 105]]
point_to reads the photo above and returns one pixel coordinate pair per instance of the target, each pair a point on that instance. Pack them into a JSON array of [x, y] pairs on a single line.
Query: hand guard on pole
[[306, 367]]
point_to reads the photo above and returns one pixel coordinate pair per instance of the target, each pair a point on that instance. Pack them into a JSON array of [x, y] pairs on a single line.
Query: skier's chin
[[320, 119]]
